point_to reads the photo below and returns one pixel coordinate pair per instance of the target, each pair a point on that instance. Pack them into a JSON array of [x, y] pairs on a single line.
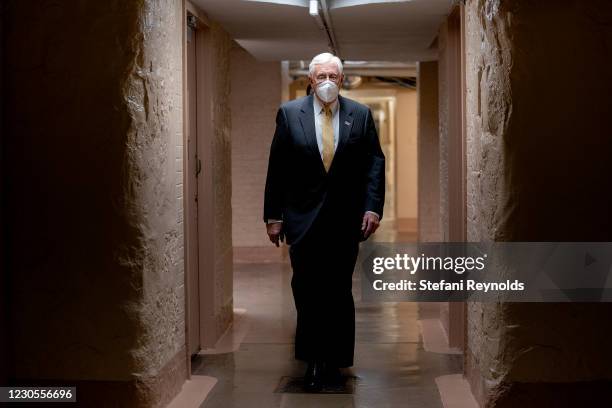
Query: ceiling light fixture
[[314, 12]]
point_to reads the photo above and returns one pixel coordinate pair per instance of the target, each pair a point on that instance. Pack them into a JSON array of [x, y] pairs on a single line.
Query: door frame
[[457, 159], [203, 269]]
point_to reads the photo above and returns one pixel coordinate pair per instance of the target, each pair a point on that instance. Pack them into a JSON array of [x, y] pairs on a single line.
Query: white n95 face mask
[[327, 91]]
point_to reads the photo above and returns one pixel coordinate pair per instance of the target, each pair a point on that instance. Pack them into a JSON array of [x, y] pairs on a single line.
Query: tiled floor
[[391, 365]]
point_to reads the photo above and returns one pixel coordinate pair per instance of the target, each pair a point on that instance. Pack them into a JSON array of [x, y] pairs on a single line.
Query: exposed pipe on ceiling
[[410, 83], [319, 10]]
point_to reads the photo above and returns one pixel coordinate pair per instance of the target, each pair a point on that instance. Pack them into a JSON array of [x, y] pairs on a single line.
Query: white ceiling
[[379, 30]]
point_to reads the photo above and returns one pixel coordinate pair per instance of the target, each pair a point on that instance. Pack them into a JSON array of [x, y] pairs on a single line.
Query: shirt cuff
[[273, 221], [372, 212]]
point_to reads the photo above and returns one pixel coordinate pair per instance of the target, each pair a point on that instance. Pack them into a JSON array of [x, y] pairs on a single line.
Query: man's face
[[323, 72]]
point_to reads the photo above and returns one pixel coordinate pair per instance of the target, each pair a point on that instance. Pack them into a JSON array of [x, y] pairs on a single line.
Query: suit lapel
[[307, 121], [346, 123]]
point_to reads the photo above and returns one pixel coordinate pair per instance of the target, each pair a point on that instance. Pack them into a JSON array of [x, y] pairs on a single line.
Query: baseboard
[[194, 392], [455, 392]]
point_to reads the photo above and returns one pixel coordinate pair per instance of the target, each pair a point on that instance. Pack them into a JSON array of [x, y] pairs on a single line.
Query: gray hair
[[324, 58]]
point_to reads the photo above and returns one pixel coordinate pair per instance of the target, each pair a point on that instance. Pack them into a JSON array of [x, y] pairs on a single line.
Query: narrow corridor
[[392, 369], [135, 142]]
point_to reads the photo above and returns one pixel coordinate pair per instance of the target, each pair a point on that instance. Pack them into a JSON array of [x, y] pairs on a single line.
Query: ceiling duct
[[319, 10]]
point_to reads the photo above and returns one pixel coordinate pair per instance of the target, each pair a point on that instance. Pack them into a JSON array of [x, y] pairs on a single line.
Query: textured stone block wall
[[538, 143], [256, 96], [93, 186], [154, 98]]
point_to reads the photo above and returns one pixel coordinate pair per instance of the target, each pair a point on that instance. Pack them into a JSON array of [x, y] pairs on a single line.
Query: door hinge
[[198, 166], [192, 22]]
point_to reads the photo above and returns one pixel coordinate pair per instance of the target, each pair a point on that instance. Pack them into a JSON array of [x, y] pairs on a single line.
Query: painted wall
[[256, 96], [92, 165], [404, 182], [406, 157], [428, 153], [221, 156], [535, 173]]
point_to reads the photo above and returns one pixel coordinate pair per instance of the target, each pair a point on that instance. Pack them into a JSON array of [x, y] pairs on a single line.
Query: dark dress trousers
[[322, 214]]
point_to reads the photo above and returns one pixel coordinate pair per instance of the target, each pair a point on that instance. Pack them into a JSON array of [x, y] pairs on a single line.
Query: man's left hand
[[369, 224]]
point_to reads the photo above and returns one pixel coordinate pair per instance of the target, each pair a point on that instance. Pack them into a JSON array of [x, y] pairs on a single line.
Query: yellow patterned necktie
[[327, 138]]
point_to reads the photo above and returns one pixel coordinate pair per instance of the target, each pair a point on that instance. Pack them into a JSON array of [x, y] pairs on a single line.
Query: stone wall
[[153, 93], [92, 153], [538, 143]]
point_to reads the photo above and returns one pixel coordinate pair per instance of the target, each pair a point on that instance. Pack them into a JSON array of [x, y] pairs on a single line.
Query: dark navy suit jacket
[[297, 185]]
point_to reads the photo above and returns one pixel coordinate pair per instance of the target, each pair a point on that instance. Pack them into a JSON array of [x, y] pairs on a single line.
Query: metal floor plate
[[295, 385]]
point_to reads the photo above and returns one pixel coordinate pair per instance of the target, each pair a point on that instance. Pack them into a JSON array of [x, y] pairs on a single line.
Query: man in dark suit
[[325, 191]]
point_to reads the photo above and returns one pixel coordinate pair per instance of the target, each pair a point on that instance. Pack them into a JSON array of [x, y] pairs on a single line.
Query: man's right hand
[[275, 233]]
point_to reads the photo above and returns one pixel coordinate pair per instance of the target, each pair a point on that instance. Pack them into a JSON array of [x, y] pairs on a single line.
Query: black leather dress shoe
[[333, 375], [313, 379]]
